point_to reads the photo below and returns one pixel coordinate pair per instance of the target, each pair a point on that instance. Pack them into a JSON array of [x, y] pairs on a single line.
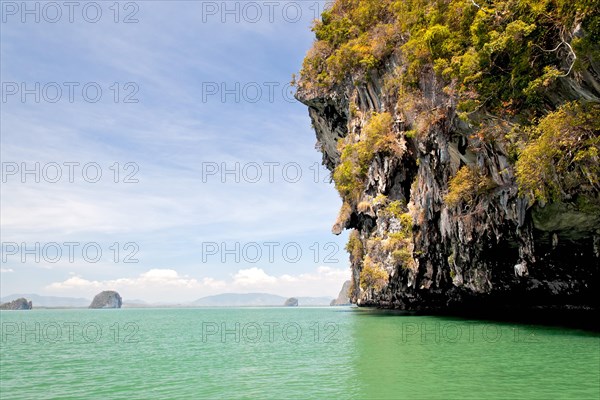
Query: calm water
[[288, 353]]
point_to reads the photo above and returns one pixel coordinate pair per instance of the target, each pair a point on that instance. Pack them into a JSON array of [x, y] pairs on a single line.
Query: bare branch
[[556, 49], [574, 58]]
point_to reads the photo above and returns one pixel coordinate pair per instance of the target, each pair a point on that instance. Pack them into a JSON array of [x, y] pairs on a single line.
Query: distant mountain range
[[49, 301], [219, 300], [255, 299]]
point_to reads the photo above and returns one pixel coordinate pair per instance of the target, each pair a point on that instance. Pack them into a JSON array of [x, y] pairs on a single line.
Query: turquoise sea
[[288, 353]]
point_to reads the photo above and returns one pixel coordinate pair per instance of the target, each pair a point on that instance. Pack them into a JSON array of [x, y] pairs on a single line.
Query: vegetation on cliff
[[500, 54], [466, 185], [519, 83], [372, 276], [376, 137], [561, 153], [503, 57]]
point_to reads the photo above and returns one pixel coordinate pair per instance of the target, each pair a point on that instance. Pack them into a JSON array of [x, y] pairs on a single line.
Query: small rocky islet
[[17, 304], [107, 299], [291, 302]]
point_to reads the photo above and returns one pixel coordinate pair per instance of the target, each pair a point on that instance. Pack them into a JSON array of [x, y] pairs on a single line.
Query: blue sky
[[176, 141]]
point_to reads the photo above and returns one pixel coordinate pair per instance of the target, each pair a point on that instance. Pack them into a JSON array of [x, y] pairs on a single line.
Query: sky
[[155, 148]]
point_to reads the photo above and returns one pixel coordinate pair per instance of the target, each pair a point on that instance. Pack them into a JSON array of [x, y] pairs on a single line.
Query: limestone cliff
[[342, 299], [107, 299], [454, 183]]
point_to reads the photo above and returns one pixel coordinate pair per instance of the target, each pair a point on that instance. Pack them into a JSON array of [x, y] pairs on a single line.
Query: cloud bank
[[168, 285]]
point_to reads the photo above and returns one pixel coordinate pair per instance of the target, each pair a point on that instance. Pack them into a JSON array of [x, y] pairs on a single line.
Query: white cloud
[[147, 280], [167, 285], [74, 283], [6, 270], [252, 277]]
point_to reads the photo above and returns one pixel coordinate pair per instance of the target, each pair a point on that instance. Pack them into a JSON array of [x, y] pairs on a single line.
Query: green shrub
[[404, 257], [372, 275], [562, 153], [466, 185], [354, 246], [380, 200], [351, 171], [501, 52], [377, 137], [343, 215], [394, 209]]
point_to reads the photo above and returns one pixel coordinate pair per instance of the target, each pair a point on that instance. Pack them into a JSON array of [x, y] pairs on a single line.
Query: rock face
[[18, 304], [500, 250], [343, 299], [107, 299], [291, 302]]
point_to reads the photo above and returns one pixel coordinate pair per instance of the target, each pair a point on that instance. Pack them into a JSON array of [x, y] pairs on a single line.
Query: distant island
[[343, 298], [291, 302], [218, 300], [107, 299], [49, 301], [256, 300], [18, 304]]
